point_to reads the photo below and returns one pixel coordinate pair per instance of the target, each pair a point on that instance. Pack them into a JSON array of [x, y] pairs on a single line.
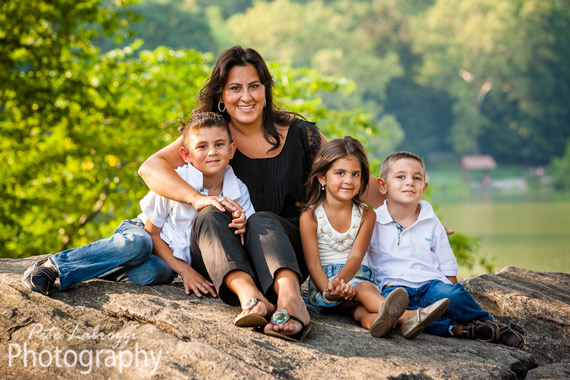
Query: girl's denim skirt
[[315, 300]]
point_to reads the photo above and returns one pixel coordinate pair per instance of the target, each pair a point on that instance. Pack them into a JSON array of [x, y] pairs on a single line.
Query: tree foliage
[[423, 75], [468, 76], [51, 115], [505, 65], [178, 24], [559, 169]]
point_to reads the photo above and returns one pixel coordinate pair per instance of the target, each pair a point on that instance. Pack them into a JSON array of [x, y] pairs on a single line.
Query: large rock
[[537, 303], [104, 330]]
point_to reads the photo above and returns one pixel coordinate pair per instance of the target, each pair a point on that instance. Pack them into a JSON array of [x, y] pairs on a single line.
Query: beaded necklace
[[337, 240]]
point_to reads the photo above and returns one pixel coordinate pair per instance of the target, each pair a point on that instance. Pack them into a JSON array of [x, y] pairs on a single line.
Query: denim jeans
[[462, 306], [126, 256]]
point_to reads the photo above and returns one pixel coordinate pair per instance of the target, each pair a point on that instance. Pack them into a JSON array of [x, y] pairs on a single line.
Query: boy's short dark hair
[[204, 120], [390, 159]]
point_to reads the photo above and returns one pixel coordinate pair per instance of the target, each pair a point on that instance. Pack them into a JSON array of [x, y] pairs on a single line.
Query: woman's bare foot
[[295, 306], [254, 312], [262, 308]]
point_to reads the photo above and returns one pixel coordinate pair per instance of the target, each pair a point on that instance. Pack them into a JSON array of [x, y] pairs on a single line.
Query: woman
[[275, 150]]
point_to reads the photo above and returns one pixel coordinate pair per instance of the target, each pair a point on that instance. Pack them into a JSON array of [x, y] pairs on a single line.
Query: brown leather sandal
[[484, 331], [509, 337]]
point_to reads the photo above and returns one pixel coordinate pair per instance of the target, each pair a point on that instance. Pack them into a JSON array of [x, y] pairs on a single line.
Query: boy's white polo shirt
[[175, 218], [423, 253]]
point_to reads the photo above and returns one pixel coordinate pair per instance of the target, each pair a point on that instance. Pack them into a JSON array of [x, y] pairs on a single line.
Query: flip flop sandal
[[250, 319], [282, 316], [392, 308]]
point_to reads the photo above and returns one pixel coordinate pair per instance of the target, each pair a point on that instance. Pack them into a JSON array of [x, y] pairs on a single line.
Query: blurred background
[[479, 88]]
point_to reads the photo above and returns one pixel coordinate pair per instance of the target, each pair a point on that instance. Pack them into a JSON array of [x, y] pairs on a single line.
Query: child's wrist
[[324, 294]]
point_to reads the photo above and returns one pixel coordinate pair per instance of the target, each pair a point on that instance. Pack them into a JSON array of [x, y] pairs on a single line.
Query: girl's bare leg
[[369, 297], [364, 317]]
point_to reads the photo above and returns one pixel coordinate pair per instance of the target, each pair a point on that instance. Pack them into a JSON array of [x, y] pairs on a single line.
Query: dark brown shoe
[[509, 337], [484, 331], [38, 278]]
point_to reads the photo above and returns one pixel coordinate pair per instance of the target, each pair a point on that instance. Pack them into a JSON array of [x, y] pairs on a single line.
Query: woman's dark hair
[[325, 158], [211, 92]]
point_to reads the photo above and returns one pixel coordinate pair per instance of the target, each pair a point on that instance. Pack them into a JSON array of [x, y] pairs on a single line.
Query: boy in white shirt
[[410, 249], [152, 248]]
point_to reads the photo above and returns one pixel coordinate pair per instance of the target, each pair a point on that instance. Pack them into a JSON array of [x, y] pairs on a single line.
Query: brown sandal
[[484, 331], [509, 337], [250, 319]]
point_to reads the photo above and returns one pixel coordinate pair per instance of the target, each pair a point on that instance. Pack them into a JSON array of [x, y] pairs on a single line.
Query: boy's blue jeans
[[126, 256], [462, 306]]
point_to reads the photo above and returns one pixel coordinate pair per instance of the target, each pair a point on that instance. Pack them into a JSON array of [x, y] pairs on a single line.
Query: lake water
[[526, 233]]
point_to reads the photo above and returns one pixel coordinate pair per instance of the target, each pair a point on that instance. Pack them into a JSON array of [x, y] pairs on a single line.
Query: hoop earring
[[264, 102], [220, 108]]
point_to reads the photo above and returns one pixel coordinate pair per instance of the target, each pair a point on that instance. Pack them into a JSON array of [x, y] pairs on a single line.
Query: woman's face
[[244, 95]]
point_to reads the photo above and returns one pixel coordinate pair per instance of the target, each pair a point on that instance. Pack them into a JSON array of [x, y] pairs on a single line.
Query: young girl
[[340, 276]]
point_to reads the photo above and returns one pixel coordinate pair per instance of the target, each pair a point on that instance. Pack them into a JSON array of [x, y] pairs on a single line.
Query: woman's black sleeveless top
[[276, 184]]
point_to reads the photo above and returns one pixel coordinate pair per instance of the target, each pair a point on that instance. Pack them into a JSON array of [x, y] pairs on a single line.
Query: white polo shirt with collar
[[414, 257], [175, 218]]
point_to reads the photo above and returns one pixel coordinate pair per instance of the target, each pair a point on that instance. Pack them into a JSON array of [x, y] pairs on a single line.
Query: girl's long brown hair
[[327, 155]]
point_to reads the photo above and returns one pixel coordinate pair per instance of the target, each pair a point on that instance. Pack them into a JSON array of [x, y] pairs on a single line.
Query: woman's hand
[[193, 281], [221, 203]]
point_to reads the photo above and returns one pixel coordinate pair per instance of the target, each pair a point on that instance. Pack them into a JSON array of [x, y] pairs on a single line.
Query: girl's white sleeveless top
[[335, 246]]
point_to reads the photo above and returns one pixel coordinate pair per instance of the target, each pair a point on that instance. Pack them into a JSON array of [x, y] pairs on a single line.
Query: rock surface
[[104, 330]]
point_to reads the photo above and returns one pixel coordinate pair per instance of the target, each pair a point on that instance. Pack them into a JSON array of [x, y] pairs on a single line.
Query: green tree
[[227, 7], [559, 170], [178, 24], [52, 121], [75, 124], [505, 65], [424, 114]]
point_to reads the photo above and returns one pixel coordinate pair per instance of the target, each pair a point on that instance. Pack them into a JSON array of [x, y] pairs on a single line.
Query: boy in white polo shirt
[[152, 248], [410, 249]]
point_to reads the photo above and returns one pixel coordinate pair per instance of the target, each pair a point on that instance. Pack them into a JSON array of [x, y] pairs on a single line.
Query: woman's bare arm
[[372, 196], [159, 175]]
